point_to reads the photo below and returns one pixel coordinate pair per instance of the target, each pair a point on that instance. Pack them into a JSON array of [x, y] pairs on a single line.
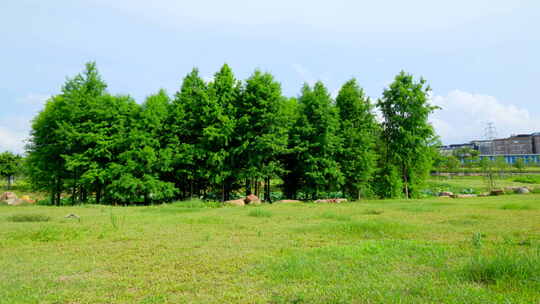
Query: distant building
[[485, 147], [524, 146]]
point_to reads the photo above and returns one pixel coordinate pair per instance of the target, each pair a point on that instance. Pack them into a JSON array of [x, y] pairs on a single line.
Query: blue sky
[[480, 57]]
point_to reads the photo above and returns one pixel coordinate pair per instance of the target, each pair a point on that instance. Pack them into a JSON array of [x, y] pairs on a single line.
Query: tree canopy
[[226, 138]]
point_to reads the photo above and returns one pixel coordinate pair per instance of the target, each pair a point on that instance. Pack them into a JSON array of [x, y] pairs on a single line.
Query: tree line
[[220, 138]]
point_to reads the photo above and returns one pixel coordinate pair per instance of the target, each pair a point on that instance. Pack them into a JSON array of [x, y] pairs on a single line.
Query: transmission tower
[[490, 133]]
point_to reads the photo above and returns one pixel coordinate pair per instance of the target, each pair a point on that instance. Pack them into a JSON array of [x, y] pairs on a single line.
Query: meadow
[[432, 250]]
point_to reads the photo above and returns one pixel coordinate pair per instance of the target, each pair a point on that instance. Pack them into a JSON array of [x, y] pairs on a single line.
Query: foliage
[[315, 143], [10, 165], [358, 130], [406, 132], [221, 139]]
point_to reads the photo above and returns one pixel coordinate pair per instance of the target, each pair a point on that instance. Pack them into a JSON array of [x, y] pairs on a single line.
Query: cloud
[[304, 74], [15, 125], [34, 99], [11, 141], [464, 117]]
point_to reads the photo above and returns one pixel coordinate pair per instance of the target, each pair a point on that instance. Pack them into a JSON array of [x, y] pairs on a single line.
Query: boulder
[[7, 196], [238, 202], [497, 192], [10, 198], [522, 190], [446, 193], [465, 195], [252, 199], [484, 194]]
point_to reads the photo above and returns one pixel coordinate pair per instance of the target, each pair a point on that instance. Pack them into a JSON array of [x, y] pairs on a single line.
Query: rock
[[465, 195], [10, 198], [497, 192], [252, 199], [72, 216], [288, 201], [522, 190], [446, 193], [7, 196], [238, 202], [483, 194]]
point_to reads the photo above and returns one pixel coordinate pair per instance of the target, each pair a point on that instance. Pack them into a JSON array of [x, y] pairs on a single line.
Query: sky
[[479, 57]]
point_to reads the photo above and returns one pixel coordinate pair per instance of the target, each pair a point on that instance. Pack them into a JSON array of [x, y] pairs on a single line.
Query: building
[[485, 147], [524, 146]]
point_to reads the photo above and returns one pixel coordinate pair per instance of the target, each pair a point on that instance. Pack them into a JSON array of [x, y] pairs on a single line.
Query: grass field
[[435, 250]]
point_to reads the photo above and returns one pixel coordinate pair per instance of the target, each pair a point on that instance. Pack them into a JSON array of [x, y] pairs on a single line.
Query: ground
[[433, 250]]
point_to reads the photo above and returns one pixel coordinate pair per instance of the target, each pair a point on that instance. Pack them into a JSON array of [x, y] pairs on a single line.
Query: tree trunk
[[406, 182], [9, 182], [248, 187]]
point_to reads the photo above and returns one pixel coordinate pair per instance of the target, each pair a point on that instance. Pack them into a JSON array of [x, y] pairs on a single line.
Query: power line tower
[[490, 132]]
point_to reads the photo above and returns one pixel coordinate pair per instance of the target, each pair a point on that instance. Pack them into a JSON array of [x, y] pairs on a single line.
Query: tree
[[136, 174], [358, 131], [519, 164], [452, 163], [218, 134], [262, 131], [46, 166], [406, 131], [315, 142], [10, 165]]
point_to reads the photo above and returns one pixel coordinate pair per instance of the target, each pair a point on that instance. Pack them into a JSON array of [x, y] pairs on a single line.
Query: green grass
[[28, 218], [432, 250], [477, 184]]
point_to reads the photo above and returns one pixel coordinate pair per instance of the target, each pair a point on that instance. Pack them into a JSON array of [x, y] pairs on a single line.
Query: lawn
[[434, 250]]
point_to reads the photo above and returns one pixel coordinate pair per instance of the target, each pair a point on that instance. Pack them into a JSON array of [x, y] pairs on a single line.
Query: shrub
[[527, 179], [29, 218]]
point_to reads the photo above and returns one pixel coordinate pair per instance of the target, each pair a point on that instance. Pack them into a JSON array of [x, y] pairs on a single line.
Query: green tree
[[218, 134], [136, 175], [358, 130], [406, 131], [46, 168], [10, 165], [452, 163], [519, 164], [315, 142], [191, 112], [262, 130]]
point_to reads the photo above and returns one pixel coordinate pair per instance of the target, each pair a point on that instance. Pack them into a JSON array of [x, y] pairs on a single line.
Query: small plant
[[260, 213], [477, 240], [116, 221], [29, 218]]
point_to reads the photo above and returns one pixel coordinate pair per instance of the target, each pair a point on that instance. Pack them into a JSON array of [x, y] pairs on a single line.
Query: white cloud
[[11, 141], [464, 117], [304, 74], [35, 99]]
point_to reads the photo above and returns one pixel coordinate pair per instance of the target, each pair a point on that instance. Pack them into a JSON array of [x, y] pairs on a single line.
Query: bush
[[28, 218], [527, 179]]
